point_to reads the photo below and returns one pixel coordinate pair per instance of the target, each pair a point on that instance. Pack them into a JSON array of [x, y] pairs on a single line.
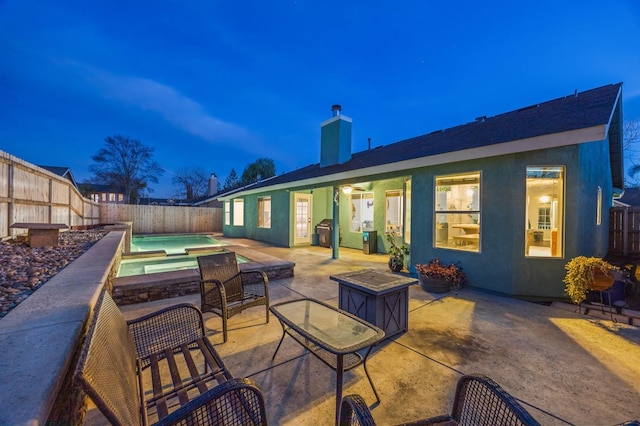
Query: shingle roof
[[577, 111]]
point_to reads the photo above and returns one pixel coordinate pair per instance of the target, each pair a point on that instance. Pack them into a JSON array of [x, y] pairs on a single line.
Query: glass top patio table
[[334, 336], [336, 331]]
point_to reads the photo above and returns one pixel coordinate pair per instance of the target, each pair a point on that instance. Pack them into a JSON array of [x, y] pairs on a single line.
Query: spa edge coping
[[259, 261], [40, 337]]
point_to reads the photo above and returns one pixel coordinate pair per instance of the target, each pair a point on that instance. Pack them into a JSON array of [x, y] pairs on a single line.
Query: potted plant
[[588, 273], [438, 277], [397, 252]]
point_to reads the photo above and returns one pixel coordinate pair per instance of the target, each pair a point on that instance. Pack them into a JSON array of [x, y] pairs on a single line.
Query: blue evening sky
[[219, 84]]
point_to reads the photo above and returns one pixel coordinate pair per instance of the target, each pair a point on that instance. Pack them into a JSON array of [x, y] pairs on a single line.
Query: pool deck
[[564, 367]]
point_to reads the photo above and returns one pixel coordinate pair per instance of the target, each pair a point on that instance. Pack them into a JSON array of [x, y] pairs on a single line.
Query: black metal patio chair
[[478, 401], [226, 291]]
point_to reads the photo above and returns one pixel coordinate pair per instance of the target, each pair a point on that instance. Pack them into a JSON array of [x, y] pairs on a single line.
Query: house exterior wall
[[501, 265], [277, 234]]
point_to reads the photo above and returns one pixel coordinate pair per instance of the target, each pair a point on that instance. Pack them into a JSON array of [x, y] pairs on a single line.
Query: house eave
[[572, 137]]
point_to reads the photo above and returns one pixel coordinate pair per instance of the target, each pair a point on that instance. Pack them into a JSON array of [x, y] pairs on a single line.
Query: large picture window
[[457, 212], [362, 212], [544, 217], [238, 212], [264, 212]]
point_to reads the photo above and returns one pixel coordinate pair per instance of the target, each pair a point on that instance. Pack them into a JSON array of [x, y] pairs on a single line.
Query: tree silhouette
[[192, 181], [232, 180], [260, 169], [125, 163]]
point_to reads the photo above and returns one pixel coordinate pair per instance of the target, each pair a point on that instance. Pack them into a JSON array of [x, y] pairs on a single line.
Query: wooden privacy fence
[[624, 231], [163, 219], [31, 194]]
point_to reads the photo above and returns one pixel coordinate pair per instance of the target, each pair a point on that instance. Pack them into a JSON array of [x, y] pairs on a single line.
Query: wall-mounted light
[[545, 199], [347, 189]]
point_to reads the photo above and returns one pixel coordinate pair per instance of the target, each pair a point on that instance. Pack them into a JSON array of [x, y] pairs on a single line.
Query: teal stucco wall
[[501, 265]]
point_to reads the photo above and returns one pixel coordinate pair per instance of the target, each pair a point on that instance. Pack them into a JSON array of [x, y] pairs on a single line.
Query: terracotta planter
[[434, 285], [601, 281]]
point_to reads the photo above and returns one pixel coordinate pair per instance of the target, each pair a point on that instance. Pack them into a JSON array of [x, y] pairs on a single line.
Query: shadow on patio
[[564, 367]]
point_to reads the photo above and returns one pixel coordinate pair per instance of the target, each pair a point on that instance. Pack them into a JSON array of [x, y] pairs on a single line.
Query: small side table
[[41, 234], [378, 297]]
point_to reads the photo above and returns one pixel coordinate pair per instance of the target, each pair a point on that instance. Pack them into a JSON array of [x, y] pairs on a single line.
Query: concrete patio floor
[[565, 368]]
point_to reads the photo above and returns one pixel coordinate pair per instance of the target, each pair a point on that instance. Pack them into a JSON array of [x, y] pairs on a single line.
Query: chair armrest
[[166, 329], [262, 279], [354, 411], [236, 402]]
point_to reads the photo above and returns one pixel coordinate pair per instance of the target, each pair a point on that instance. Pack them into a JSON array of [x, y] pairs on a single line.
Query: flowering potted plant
[[397, 252], [438, 277], [588, 273]]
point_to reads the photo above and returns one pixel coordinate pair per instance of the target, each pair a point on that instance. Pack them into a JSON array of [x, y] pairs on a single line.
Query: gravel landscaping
[[25, 269]]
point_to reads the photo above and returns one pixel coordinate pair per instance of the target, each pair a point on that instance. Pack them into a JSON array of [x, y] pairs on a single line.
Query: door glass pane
[[302, 216]]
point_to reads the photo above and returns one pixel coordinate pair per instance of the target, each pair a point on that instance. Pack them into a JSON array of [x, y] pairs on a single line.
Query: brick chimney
[[335, 139]]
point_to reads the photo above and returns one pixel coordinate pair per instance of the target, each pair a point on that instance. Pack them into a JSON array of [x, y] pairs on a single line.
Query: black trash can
[[324, 230], [369, 242]]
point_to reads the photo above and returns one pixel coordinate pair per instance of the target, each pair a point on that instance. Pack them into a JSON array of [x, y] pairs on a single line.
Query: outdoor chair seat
[[226, 291], [478, 401], [161, 369]]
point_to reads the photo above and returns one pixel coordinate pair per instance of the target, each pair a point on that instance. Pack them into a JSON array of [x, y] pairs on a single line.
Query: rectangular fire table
[[378, 297]]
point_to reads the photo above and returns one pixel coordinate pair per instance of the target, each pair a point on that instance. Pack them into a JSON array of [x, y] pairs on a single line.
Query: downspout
[[335, 237]]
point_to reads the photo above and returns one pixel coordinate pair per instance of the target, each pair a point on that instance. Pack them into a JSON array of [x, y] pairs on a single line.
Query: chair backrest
[[481, 401], [355, 412], [166, 328], [106, 370], [222, 267], [236, 402]]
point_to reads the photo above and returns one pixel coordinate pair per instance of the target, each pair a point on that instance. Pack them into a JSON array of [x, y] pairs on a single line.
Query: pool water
[[154, 265], [172, 244]]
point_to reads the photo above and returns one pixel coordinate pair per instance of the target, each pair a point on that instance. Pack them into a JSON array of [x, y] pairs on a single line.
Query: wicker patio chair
[[478, 401], [179, 388], [226, 291]]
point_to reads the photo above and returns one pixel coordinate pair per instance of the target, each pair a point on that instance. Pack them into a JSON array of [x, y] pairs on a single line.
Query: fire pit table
[[378, 297]]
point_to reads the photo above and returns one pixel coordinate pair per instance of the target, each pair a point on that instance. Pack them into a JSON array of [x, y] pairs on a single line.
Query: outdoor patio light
[[347, 189]]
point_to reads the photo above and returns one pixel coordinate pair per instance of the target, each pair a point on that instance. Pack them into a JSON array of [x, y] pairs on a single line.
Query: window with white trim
[[361, 212], [227, 213], [457, 212], [264, 212], [238, 212], [393, 211], [544, 211]]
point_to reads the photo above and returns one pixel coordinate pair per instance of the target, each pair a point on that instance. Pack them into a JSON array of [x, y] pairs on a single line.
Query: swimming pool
[[172, 244], [157, 264]]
